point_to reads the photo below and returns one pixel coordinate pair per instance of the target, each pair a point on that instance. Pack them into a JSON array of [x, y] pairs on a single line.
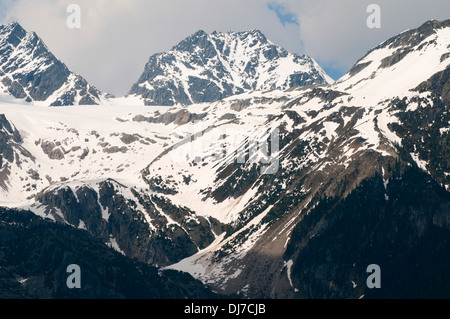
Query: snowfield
[[76, 129]]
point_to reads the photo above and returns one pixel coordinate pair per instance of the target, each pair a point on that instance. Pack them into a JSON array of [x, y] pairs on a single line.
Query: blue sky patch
[[283, 13]]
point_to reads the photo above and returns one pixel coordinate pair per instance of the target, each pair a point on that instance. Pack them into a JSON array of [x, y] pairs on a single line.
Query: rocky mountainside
[[401, 224], [266, 194], [31, 73], [209, 67], [35, 254]]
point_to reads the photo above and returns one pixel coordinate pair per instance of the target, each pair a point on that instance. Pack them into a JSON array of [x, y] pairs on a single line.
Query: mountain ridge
[[226, 63], [48, 81], [30, 72]]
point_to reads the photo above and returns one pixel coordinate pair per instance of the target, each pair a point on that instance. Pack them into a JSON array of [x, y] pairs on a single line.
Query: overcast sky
[[117, 37]]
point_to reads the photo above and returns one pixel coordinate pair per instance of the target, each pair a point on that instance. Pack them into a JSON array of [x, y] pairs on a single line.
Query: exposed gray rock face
[[53, 151], [209, 67], [29, 71], [413, 37], [404, 43], [115, 149], [180, 117], [107, 214], [35, 253], [10, 148], [10, 141]]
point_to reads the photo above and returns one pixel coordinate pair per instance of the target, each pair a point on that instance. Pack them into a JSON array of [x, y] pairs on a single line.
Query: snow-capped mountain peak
[[209, 67], [400, 63], [30, 72]]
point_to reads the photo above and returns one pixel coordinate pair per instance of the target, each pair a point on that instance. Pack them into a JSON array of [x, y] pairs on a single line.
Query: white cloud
[[117, 37]]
